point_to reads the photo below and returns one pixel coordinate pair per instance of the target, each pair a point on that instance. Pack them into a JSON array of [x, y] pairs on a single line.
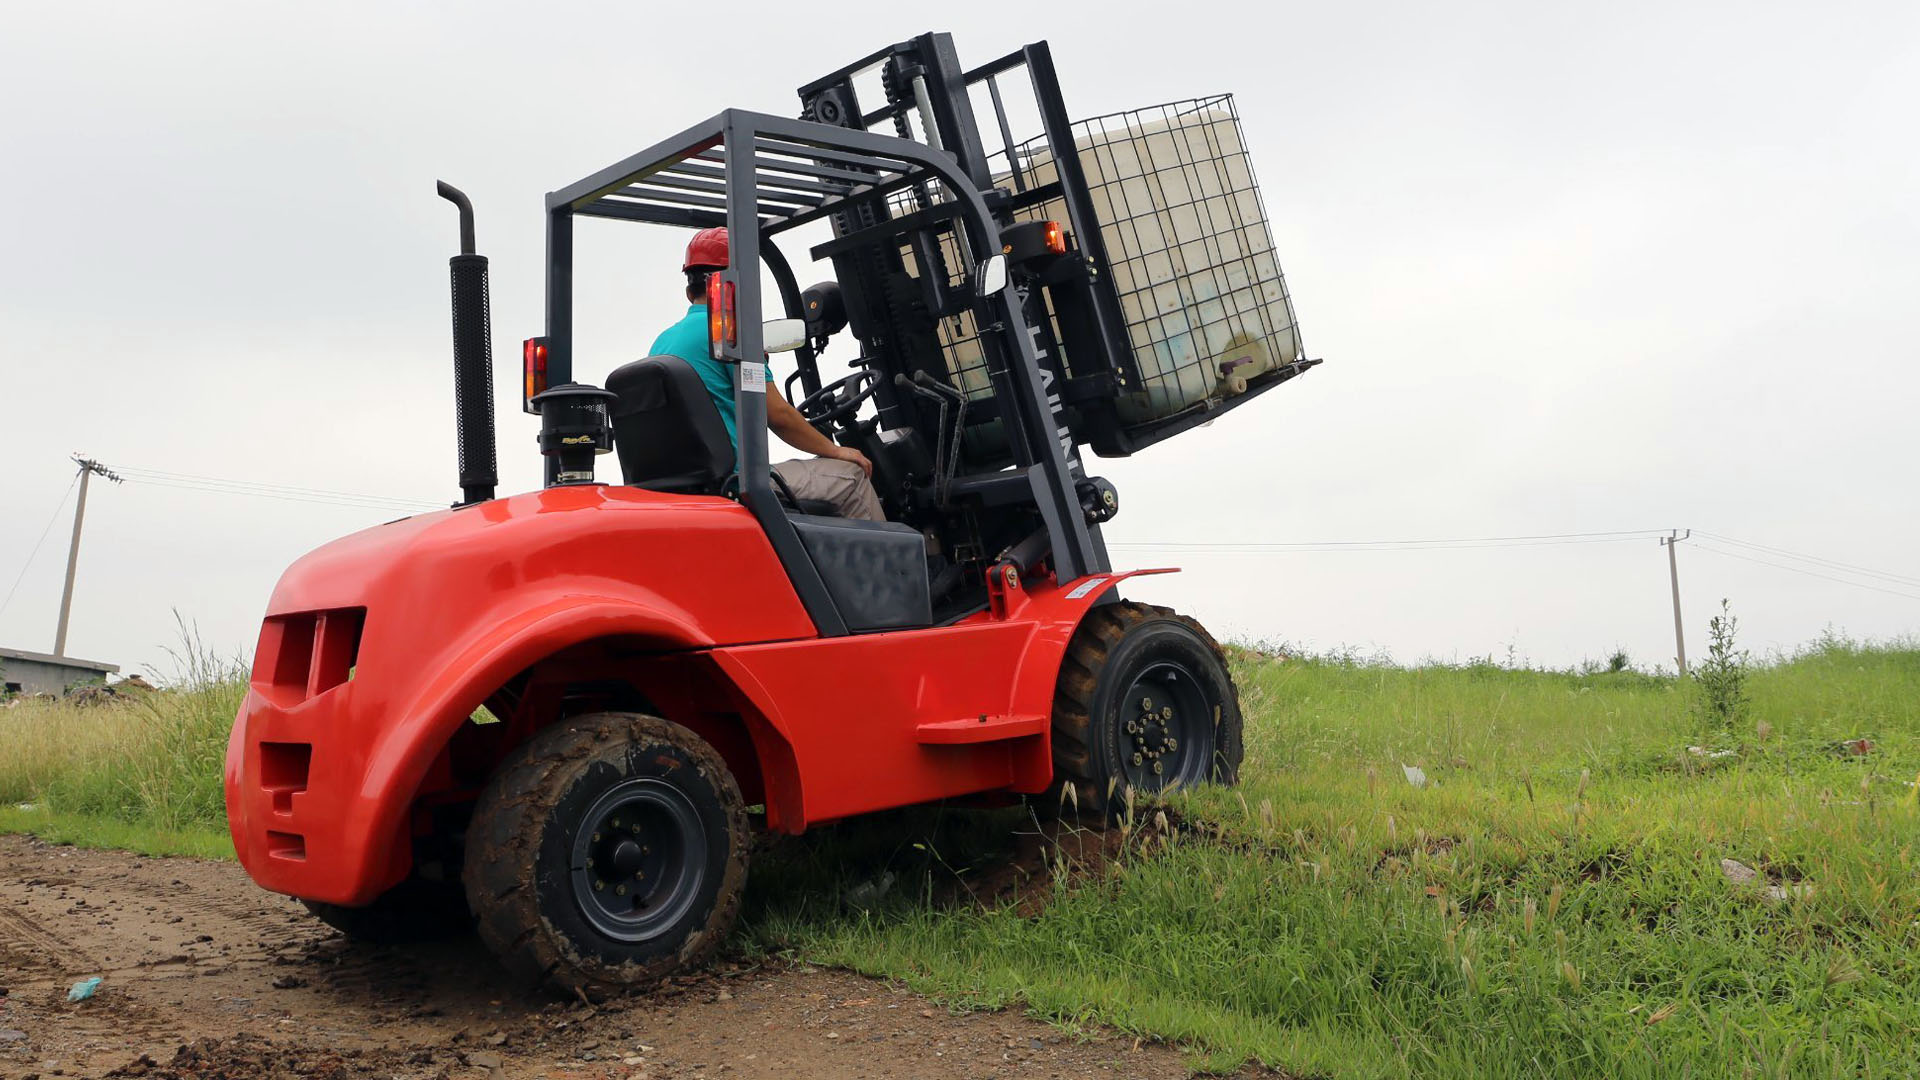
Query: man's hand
[[793, 429], [848, 453]]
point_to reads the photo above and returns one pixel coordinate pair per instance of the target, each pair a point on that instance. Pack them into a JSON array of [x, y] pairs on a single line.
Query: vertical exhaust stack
[[472, 359]]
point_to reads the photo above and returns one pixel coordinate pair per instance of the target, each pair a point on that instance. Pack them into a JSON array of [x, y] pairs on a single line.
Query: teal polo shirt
[[687, 339]]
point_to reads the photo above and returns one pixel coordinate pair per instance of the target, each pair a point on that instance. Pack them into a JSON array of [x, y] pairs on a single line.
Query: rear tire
[[607, 852], [1144, 703]]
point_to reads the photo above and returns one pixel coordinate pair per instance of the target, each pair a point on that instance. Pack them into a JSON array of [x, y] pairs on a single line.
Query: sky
[[1572, 270]]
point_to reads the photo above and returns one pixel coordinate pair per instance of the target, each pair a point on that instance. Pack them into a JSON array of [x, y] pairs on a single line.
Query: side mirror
[[990, 277], [783, 335]]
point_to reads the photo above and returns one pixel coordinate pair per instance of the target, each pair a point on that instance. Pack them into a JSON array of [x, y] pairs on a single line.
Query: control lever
[[959, 428], [946, 452]]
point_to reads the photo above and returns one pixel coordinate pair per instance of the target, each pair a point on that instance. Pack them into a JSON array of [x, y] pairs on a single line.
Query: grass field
[[1551, 903], [140, 773]]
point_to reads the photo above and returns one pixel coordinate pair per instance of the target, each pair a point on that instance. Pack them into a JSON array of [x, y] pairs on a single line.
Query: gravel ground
[[206, 976]]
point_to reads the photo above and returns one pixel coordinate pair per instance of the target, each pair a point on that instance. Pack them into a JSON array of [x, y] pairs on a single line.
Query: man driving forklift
[[835, 474]]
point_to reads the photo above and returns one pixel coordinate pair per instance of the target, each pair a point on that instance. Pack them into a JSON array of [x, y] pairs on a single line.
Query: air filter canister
[[573, 428]]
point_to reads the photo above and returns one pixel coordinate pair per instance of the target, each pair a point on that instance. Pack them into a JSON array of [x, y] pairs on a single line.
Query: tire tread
[[1100, 633], [505, 838]]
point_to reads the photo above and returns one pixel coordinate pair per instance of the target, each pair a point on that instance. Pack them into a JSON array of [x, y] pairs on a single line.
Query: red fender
[[882, 720]]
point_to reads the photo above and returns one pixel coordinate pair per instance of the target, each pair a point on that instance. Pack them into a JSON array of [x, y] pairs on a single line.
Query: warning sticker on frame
[[1085, 587], [753, 378]]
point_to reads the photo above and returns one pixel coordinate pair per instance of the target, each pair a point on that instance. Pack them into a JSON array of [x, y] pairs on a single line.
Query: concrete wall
[[37, 677]]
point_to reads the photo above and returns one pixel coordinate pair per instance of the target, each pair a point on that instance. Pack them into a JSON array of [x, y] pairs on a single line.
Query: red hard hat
[[707, 250]]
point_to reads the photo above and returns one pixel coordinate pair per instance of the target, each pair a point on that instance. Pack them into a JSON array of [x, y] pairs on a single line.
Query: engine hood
[[562, 538], [341, 572]]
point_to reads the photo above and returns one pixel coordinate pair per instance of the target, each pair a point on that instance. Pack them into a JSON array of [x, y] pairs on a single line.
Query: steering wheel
[[838, 401]]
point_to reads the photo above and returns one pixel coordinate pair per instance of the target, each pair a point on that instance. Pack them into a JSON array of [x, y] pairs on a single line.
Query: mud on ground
[[206, 976]]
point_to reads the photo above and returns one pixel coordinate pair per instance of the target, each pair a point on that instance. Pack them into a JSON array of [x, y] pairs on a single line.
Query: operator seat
[[669, 435]]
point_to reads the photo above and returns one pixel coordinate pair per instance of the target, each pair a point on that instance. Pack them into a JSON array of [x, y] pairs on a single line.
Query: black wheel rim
[[1165, 721], [638, 859]]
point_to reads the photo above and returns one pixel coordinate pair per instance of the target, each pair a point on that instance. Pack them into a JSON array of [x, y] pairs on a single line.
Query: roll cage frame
[[795, 172]]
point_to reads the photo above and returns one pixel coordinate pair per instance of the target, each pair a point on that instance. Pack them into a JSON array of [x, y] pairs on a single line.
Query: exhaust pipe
[[472, 360]]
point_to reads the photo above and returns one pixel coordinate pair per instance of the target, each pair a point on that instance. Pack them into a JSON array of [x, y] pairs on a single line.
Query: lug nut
[[596, 838], [1138, 758], [599, 886], [1166, 712], [1156, 768], [1170, 743], [1146, 704], [620, 890]]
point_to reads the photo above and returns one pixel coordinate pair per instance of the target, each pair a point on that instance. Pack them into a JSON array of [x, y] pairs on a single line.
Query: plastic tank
[[1189, 250]]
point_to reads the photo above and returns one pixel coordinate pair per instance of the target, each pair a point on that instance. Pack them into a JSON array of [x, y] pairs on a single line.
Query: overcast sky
[[1572, 268]]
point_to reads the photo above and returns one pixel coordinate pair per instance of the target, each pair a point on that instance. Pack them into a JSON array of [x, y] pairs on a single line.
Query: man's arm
[[793, 429]]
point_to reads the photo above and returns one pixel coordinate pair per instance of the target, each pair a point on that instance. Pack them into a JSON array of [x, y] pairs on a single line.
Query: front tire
[[607, 852], [1144, 703]]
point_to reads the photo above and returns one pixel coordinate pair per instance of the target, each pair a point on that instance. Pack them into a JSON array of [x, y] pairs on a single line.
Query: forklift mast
[[897, 310]]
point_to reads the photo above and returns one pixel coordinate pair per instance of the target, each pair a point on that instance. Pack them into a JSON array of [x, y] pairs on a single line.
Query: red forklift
[[564, 713]]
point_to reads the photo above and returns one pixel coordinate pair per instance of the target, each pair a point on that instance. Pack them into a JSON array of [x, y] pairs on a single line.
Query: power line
[[330, 497], [1262, 547], [348, 503], [281, 492], [161, 474], [51, 518], [1797, 570], [279, 497], [1867, 571]]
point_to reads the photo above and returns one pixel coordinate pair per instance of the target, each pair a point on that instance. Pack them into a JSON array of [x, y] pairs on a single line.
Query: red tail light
[[722, 330], [533, 364]]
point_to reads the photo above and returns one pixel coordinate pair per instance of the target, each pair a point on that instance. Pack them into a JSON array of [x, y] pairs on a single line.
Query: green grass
[[94, 831], [140, 772], [1551, 904]]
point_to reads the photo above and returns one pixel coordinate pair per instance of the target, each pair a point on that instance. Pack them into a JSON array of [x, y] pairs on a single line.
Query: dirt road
[[206, 976]]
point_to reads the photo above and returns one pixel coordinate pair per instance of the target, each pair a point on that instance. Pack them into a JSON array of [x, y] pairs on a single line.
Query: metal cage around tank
[[1191, 256]]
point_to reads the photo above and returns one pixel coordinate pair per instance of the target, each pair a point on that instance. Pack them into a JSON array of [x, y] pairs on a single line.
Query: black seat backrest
[[666, 428]]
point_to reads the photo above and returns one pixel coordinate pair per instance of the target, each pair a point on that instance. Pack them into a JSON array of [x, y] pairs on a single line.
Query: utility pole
[[1668, 541], [88, 468]]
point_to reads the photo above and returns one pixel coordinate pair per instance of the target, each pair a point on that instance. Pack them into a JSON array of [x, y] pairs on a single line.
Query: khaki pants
[[841, 483]]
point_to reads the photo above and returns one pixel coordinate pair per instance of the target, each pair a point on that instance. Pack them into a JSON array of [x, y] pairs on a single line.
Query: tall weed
[[1720, 681]]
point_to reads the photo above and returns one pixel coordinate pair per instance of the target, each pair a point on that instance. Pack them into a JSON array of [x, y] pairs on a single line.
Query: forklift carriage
[[560, 712]]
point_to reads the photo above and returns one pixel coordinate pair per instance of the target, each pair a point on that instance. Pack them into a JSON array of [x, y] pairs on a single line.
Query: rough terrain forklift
[[562, 711]]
